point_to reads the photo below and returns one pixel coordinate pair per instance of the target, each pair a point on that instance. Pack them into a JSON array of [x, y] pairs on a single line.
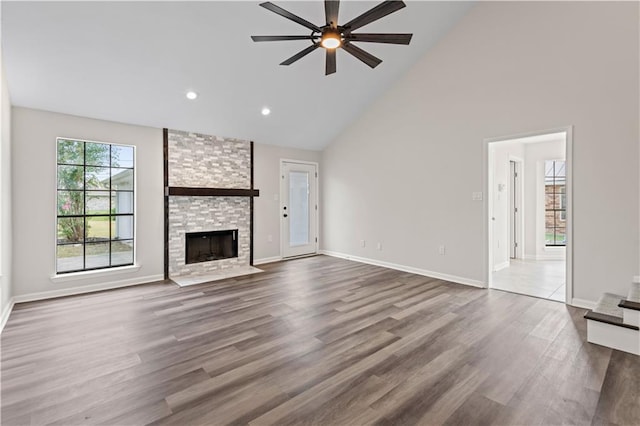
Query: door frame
[[487, 246], [317, 203], [518, 204]]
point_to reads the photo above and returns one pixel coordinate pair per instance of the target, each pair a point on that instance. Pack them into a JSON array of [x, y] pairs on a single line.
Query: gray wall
[[403, 173], [34, 186], [267, 205], [34, 200], [6, 291]]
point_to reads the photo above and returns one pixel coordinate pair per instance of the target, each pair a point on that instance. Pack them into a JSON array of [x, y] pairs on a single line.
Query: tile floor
[[539, 278]]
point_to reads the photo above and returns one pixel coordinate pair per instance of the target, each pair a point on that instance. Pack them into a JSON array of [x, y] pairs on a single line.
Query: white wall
[[535, 156], [6, 276], [266, 238], [34, 202], [403, 173]]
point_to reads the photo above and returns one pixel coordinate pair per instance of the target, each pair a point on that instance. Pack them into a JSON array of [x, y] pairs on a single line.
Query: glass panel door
[[298, 214]]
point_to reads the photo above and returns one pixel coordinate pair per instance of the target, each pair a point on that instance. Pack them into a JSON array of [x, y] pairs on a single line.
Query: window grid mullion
[[109, 218], [84, 203], [83, 218]]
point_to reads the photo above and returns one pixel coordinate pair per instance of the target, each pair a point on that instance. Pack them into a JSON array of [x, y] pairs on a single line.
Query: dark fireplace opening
[[214, 245]]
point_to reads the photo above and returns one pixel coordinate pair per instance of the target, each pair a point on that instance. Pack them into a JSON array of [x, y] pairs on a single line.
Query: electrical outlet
[[270, 238], [379, 246], [362, 243], [441, 250]]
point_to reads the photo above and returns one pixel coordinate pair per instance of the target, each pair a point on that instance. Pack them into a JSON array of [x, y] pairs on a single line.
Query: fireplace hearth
[[209, 246]]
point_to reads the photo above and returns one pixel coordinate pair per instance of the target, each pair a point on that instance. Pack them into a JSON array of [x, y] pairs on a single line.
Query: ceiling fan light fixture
[[331, 40], [332, 36]]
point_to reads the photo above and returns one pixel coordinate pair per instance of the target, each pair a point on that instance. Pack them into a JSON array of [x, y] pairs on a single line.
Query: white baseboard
[[410, 269], [31, 297], [582, 303], [501, 266], [6, 313], [267, 260]]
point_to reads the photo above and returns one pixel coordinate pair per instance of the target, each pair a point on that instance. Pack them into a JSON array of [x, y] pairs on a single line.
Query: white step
[[606, 326], [613, 336], [631, 306]]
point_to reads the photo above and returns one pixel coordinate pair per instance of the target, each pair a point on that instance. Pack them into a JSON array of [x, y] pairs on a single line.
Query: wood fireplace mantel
[[211, 192]]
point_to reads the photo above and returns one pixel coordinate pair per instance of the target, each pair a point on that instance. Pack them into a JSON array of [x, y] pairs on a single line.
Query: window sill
[[76, 276]]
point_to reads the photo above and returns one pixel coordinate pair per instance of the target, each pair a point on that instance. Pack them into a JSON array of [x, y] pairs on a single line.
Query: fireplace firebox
[[213, 245]]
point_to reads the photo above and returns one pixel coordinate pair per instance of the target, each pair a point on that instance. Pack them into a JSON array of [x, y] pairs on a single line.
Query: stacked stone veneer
[[208, 161], [204, 161]]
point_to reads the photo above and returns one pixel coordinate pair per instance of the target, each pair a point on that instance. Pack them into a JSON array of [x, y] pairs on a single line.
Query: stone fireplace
[[209, 190]]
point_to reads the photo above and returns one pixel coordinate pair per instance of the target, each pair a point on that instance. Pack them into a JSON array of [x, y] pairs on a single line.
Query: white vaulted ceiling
[[133, 62]]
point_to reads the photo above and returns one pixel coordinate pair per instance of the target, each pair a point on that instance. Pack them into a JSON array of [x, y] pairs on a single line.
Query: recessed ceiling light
[[266, 111], [191, 95]]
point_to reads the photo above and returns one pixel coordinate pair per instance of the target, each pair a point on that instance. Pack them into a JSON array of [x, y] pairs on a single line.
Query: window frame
[[562, 209], [110, 215]]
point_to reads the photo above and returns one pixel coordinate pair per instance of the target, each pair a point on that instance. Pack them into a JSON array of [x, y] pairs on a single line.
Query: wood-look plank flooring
[[311, 341]]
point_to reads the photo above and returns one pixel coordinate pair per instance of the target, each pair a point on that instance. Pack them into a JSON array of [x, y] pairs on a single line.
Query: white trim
[[267, 260], [6, 313], [501, 266], [98, 273], [582, 303], [487, 246], [404, 268], [87, 288]]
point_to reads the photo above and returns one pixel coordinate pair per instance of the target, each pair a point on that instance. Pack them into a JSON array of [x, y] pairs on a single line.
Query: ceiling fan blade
[[365, 57], [380, 11], [283, 38], [331, 8], [330, 65], [381, 38], [285, 13], [300, 54]]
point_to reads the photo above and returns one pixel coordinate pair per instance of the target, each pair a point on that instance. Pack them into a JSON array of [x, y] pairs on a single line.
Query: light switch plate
[[476, 196]]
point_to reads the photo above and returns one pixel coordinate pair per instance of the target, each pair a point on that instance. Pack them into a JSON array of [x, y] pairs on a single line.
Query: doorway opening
[[528, 227], [299, 208]]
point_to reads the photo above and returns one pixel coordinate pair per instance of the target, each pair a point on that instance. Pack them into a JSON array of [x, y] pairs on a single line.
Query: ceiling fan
[[332, 36]]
